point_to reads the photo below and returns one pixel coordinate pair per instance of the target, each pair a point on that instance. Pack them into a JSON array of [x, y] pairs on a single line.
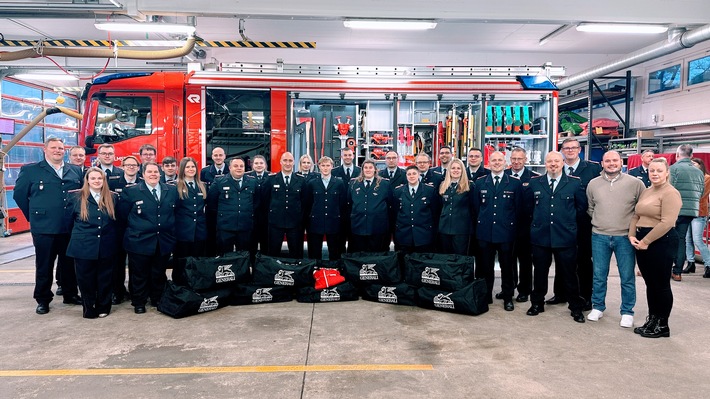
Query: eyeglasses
[[570, 148], [130, 165], [422, 162], [106, 153]]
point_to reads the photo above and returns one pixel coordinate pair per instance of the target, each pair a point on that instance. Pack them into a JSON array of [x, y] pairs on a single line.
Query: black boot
[[658, 329], [707, 272], [650, 320], [690, 268]]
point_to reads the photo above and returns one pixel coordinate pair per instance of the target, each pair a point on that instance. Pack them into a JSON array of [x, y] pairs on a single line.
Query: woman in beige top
[[653, 235]]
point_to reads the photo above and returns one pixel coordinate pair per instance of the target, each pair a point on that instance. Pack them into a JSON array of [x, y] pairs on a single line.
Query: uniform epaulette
[[430, 184], [76, 190], [273, 173], [574, 177], [481, 177], [221, 176], [536, 177], [248, 176], [437, 172], [401, 185]]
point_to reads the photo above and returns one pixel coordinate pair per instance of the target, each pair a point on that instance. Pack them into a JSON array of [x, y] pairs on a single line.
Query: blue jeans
[[695, 238], [602, 248]]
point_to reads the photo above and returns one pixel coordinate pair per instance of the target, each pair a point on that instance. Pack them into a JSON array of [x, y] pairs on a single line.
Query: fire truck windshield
[[119, 118]]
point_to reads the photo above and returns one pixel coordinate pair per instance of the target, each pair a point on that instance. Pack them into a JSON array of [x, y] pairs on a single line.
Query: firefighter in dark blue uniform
[[149, 208], [190, 220], [41, 192], [428, 176], [557, 200], [107, 156], [347, 171], [523, 252], [641, 172], [283, 192], [94, 242], [392, 172], [457, 210], [498, 200], [234, 199], [417, 206], [474, 165], [370, 205], [127, 179], [208, 175], [260, 236], [324, 203]]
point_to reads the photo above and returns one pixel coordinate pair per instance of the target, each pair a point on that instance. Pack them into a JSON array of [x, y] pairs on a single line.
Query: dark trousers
[[119, 274], [260, 236], [294, 240], [94, 277], [524, 275], [454, 243], [585, 266], [655, 264], [315, 245], [681, 227], [182, 250], [49, 247], [147, 277], [371, 243], [230, 241], [211, 245], [565, 265], [485, 267]]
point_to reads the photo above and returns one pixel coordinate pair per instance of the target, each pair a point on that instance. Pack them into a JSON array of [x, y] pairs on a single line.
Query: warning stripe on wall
[[157, 43]]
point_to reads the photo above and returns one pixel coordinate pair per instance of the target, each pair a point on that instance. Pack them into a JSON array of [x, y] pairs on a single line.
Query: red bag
[[326, 278]]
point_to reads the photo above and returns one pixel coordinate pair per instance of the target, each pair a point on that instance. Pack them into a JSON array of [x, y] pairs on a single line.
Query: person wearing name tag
[[107, 157], [283, 194], [347, 171], [190, 221], [260, 237], [324, 202], [417, 207], [149, 208], [93, 242], [458, 212], [370, 199]]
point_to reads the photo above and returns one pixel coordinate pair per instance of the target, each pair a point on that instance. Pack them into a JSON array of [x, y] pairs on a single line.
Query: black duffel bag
[[178, 302], [372, 268], [271, 271], [471, 299], [397, 294], [340, 293], [439, 271], [209, 273], [249, 294]]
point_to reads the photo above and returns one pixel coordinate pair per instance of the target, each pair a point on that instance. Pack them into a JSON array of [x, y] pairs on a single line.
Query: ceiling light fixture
[[620, 28], [390, 24], [147, 27]]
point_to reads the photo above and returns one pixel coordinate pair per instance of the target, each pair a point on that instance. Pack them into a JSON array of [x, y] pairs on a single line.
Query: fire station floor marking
[[217, 370]]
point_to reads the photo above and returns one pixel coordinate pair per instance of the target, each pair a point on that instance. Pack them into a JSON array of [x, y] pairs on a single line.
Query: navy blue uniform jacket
[[285, 203], [417, 216], [43, 197], [235, 208], [150, 224], [95, 238], [498, 208], [325, 207], [397, 178], [190, 220], [370, 209], [554, 220], [457, 211]]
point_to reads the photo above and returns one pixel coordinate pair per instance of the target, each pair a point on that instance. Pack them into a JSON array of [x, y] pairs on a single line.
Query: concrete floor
[[347, 350]]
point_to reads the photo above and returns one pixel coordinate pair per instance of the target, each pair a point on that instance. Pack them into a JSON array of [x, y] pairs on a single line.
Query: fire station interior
[[256, 78]]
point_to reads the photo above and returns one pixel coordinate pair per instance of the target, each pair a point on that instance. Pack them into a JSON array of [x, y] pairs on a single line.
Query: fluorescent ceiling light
[[621, 28], [389, 24], [44, 76], [147, 27]]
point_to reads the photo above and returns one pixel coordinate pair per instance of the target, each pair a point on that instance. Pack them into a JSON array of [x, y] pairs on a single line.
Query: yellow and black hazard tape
[[156, 43]]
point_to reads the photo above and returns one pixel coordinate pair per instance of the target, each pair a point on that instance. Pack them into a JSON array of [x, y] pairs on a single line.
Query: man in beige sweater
[[612, 197]]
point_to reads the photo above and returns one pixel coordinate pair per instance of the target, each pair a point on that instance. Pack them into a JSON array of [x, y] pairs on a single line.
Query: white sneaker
[[595, 315], [627, 321]]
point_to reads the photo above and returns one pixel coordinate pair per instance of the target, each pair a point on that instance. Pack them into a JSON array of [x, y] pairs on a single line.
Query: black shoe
[[42, 308], [587, 305], [72, 300], [690, 268], [707, 272], [650, 320], [535, 310], [117, 299], [521, 298], [659, 328], [578, 316], [555, 301], [508, 305], [499, 295], [60, 291], [139, 309], [490, 301]]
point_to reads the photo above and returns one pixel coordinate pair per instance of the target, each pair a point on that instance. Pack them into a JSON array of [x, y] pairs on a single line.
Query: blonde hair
[[105, 202], [182, 186], [463, 181]]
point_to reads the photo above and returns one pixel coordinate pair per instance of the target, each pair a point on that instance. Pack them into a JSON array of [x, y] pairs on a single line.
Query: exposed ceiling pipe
[[679, 42], [100, 53]]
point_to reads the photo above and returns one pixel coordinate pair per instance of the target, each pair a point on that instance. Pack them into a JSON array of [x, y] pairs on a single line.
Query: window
[[120, 118], [664, 79], [699, 71]]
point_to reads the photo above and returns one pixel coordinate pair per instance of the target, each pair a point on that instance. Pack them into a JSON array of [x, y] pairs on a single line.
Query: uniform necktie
[[453, 185], [192, 185], [421, 177], [367, 184], [347, 172], [515, 175], [219, 172], [391, 174], [239, 183], [552, 185], [155, 195], [413, 192], [497, 180], [286, 177], [570, 170]]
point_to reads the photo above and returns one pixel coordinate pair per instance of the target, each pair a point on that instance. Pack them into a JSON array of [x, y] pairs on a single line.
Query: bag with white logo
[[339, 293], [439, 271], [397, 294], [364, 268], [178, 302], [271, 271], [249, 294], [471, 299], [209, 273]]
